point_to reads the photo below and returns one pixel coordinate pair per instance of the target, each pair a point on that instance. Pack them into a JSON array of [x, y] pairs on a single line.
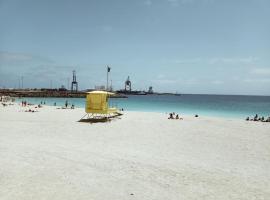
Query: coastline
[[142, 155], [218, 106]]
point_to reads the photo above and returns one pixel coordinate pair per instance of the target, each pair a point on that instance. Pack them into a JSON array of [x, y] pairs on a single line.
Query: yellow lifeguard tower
[[97, 105]]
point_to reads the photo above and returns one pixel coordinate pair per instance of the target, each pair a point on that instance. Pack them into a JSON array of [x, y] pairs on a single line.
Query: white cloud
[[106, 28], [173, 2], [216, 60], [191, 81], [260, 71], [162, 79], [148, 2], [176, 3], [161, 76], [186, 1], [208, 1], [14, 57], [187, 61], [165, 81], [258, 80], [229, 60], [217, 82]]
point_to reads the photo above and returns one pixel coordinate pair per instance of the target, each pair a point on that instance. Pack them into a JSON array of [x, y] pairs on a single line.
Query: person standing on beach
[[66, 104]]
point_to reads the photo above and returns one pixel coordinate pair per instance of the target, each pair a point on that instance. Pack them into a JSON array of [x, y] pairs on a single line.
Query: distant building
[[150, 90], [100, 87], [62, 88]]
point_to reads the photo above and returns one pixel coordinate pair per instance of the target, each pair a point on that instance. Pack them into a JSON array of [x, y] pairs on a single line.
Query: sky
[[183, 46]]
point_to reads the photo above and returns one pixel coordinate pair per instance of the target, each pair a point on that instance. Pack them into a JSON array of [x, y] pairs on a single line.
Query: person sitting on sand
[[171, 116], [247, 119], [72, 106], [255, 118], [177, 116], [30, 110]]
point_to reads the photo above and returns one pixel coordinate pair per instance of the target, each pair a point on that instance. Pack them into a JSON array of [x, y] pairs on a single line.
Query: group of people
[[31, 110], [258, 119], [6, 104], [24, 103], [6, 100], [43, 102], [71, 107], [174, 116]]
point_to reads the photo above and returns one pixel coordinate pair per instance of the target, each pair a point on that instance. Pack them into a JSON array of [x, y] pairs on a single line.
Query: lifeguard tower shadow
[[99, 119], [97, 108]]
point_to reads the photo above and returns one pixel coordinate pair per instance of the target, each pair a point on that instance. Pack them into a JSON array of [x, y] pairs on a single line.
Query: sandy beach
[[49, 155]]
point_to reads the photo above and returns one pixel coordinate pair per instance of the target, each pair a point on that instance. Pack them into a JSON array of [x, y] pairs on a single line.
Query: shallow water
[[232, 106]]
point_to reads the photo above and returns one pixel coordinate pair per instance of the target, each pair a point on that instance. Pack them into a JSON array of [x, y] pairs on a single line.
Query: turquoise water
[[231, 106]]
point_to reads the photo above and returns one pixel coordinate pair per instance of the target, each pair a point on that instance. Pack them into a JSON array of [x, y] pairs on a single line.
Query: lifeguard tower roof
[[101, 92]]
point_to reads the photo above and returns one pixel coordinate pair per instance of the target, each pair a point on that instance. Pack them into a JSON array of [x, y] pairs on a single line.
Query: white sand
[[48, 155]]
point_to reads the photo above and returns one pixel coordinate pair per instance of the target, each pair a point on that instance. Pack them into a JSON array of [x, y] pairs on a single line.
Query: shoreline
[[82, 109], [221, 116]]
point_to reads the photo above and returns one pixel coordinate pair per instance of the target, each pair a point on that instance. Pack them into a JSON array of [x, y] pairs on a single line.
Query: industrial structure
[[150, 90], [74, 84], [128, 85]]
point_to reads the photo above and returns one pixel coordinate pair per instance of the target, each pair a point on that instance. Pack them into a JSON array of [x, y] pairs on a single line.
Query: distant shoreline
[[48, 93]]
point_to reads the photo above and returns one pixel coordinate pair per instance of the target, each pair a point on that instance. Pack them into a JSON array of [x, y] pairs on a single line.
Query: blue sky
[[184, 46]]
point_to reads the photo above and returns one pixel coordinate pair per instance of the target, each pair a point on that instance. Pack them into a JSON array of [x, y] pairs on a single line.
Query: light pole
[[108, 70], [22, 81]]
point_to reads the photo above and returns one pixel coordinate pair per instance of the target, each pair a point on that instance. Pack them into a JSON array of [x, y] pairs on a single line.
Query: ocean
[[228, 106]]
